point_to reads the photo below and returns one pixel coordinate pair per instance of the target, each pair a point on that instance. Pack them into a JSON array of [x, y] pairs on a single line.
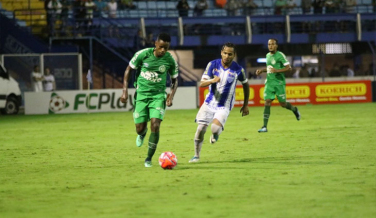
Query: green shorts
[[149, 106], [271, 91]]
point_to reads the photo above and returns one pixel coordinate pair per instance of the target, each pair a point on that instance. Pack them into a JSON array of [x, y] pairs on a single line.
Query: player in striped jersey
[[221, 75]]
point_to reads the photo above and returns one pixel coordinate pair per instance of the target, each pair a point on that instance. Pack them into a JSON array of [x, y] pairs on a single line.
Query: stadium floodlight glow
[[261, 60], [332, 48]]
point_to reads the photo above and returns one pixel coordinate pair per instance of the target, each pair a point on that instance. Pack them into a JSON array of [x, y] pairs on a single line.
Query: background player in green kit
[[275, 84], [152, 66]]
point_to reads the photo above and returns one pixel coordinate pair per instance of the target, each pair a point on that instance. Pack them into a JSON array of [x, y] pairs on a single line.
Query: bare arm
[[207, 82], [260, 71], [244, 110], [170, 96], [283, 70], [124, 96]]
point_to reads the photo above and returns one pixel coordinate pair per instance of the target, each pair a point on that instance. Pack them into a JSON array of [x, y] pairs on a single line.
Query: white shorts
[[207, 114]]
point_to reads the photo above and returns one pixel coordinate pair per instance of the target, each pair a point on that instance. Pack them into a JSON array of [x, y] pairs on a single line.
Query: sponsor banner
[[307, 93], [105, 100]]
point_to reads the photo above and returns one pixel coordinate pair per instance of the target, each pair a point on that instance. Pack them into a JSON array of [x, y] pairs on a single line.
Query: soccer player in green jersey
[[275, 84], [152, 66]]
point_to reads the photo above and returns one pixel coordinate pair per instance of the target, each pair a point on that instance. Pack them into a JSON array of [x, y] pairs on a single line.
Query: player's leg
[[268, 104], [218, 124], [269, 95], [153, 140], [156, 113], [216, 128], [141, 129], [141, 117], [203, 118], [281, 95], [199, 139]]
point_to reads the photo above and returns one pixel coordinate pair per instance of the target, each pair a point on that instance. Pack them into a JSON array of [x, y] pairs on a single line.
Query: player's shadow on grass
[[296, 160]]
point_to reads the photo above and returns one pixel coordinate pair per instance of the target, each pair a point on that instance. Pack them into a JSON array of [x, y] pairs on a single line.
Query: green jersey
[[277, 61], [152, 70]]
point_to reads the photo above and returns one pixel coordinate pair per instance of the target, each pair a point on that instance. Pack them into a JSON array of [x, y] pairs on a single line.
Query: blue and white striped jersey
[[222, 94]]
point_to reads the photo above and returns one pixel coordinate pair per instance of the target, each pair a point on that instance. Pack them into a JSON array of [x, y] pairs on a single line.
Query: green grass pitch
[[87, 165]]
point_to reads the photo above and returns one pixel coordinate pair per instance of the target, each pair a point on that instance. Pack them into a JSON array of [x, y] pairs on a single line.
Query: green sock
[[290, 107], [153, 141], [266, 115]]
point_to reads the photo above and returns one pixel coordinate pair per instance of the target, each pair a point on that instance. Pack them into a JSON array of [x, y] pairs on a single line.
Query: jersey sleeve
[[209, 72], [174, 72], [283, 59], [136, 61], [242, 77]]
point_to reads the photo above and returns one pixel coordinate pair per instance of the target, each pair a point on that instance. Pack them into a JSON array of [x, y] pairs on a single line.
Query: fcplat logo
[[57, 103]]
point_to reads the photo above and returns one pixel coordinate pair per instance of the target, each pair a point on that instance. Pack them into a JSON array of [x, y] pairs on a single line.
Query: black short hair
[[276, 41], [164, 37], [230, 45]]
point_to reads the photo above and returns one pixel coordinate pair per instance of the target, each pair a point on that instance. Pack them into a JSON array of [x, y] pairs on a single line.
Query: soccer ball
[[57, 103], [168, 160]]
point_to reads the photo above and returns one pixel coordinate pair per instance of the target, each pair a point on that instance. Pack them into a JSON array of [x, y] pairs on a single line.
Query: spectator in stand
[[303, 72], [250, 7], [139, 41], [317, 6], [90, 7], [313, 72], [306, 6], [47, 14], [49, 81], [112, 9], [64, 16], [200, 7], [79, 15], [279, 9], [350, 6], [54, 11], [321, 72], [220, 3], [279, 6], [232, 7], [348, 71], [183, 8], [331, 6], [370, 70], [291, 7], [306, 9], [36, 79], [127, 4], [335, 72], [150, 40], [317, 9], [100, 6], [46, 5]]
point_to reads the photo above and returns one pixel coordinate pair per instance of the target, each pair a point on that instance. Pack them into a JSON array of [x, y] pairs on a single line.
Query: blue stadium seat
[[172, 13], [191, 3], [267, 3], [162, 13], [171, 5], [152, 5], [140, 4], [219, 12], [161, 5], [152, 13], [134, 13]]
